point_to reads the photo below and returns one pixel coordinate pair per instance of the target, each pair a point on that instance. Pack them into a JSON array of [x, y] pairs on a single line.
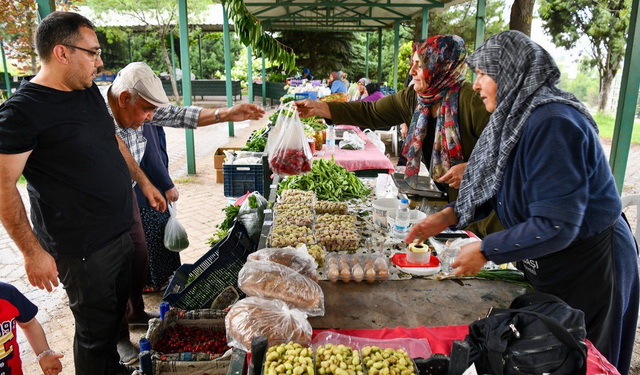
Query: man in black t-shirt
[[57, 131]]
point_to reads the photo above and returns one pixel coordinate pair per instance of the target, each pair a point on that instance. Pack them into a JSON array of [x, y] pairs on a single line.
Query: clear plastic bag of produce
[[255, 316], [251, 214], [351, 142], [375, 139], [273, 280], [287, 146], [175, 236], [298, 260]]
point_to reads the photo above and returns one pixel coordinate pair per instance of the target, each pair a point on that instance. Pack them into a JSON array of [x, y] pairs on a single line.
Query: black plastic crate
[[212, 273], [242, 178]]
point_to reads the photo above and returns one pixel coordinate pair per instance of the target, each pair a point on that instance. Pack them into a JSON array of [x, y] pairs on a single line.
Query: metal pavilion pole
[[130, 51], [6, 70], [396, 49], [173, 54], [264, 82], [627, 100], [379, 55], [45, 7], [227, 62], [186, 79], [366, 64], [250, 73], [481, 16], [200, 54], [425, 22]]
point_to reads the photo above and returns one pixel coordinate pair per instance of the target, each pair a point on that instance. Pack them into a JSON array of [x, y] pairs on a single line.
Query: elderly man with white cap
[[137, 98]]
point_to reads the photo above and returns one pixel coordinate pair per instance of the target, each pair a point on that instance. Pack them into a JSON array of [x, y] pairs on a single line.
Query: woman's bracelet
[[45, 352]]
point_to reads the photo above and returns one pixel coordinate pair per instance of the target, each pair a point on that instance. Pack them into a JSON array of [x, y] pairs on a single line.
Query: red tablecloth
[[357, 160], [441, 338]]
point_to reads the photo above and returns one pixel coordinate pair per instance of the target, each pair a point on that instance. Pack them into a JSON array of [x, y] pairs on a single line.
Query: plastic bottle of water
[[402, 219], [331, 138]]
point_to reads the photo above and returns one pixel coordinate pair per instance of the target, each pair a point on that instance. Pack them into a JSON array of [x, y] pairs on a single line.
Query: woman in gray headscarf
[[539, 163]]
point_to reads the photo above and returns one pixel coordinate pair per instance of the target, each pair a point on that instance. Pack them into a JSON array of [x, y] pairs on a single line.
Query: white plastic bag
[[375, 139], [287, 146], [175, 236], [298, 259], [351, 141], [255, 316], [251, 214]]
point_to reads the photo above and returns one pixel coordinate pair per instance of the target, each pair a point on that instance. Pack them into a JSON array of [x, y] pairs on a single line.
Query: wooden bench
[[275, 90], [206, 87]]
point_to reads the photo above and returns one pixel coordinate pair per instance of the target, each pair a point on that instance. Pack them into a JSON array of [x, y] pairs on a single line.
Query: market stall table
[[366, 162]]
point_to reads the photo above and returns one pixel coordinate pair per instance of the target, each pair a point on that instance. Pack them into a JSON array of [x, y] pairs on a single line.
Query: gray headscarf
[[526, 76]]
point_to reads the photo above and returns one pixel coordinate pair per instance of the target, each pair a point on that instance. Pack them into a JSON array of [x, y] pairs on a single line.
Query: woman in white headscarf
[[539, 163]]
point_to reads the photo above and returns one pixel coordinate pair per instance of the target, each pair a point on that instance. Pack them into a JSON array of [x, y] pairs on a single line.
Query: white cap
[[140, 77]]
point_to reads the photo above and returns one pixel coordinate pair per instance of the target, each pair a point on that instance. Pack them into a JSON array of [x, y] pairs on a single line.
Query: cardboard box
[[219, 176], [219, 156]]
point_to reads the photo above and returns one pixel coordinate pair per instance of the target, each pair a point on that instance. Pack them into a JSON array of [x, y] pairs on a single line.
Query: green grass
[[185, 180], [607, 123]]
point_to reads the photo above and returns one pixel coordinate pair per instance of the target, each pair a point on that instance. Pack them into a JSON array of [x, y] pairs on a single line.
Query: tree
[[460, 20], [159, 16], [521, 16], [604, 23], [17, 28]]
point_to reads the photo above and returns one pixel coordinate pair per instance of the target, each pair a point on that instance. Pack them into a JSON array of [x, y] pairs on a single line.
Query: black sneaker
[[127, 351]]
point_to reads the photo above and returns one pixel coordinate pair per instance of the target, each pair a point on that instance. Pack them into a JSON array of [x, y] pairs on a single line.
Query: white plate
[[420, 271]]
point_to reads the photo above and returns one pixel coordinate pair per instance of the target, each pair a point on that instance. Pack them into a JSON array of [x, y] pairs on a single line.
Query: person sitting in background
[[336, 85], [306, 74], [357, 92], [16, 308], [372, 92]]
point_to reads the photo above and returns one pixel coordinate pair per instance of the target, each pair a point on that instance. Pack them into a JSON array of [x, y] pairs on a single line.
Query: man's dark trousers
[[98, 289]]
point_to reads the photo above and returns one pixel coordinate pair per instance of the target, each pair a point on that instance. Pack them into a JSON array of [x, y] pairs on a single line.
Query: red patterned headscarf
[[442, 62]]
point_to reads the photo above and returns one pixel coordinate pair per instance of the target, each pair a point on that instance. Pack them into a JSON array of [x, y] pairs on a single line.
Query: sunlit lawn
[[606, 125]]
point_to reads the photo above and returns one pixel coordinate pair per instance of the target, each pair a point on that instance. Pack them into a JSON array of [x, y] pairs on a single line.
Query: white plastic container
[[416, 216], [419, 254], [382, 207]]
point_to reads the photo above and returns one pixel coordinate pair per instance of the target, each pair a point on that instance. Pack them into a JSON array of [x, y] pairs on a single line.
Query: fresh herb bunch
[[329, 181], [222, 230]]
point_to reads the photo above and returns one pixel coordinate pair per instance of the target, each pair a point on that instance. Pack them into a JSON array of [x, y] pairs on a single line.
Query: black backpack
[[538, 334]]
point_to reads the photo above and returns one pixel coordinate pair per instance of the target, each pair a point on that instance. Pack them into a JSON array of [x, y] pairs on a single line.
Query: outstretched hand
[[432, 225], [245, 111], [309, 108]]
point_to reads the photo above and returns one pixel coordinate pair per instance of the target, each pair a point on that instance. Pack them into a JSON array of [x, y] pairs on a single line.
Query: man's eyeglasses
[[96, 54]]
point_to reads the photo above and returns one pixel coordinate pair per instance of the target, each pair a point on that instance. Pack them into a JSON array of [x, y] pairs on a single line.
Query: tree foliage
[[461, 20], [17, 28], [250, 31], [159, 16], [603, 22]]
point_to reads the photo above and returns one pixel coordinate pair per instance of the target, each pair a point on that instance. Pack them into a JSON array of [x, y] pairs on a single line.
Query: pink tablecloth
[[357, 160]]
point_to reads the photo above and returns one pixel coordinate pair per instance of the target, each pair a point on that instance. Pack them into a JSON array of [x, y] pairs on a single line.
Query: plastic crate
[[313, 95], [212, 273], [241, 178]]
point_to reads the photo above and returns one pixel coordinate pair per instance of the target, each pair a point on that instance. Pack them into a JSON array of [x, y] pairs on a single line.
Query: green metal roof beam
[[322, 18], [374, 4], [366, 4], [324, 29]]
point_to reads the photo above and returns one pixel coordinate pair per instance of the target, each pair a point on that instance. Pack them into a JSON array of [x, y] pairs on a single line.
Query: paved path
[[200, 205]]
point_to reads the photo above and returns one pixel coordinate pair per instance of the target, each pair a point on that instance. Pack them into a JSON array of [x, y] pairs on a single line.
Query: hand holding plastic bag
[[255, 316], [287, 146], [175, 236]]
